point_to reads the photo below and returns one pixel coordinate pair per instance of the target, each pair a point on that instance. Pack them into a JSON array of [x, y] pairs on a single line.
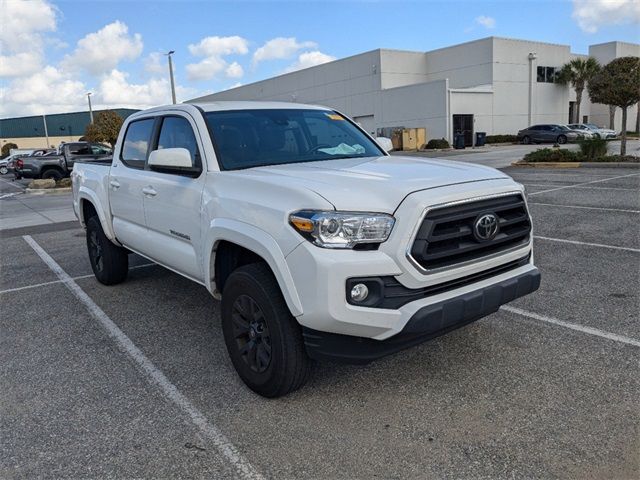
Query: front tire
[[4, 170], [526, 140], [561, 139], [263, 339], [110, 263]]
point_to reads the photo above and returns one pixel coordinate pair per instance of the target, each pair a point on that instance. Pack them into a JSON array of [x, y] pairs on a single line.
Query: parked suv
[[319, 244], [549, 133]]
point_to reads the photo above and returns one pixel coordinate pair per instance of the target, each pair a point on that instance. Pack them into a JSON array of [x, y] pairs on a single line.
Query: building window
[[546, 74]]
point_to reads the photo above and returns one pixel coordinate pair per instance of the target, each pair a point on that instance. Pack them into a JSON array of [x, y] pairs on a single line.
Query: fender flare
[[260, 243], [91, 197]]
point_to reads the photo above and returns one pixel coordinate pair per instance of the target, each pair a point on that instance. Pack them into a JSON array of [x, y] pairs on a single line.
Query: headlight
[[342, 229]]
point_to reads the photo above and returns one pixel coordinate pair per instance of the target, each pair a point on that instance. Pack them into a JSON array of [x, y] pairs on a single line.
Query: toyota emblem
[[485, 227]]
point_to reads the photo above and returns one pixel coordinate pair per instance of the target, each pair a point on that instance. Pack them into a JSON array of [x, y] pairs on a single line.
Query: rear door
[[172, 200], [126, 181]]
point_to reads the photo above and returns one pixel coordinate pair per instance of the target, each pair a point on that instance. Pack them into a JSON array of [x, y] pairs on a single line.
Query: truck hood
[[377, 184]]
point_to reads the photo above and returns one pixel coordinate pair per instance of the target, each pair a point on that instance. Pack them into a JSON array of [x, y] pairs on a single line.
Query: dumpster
[[481, 139], [458, 141]]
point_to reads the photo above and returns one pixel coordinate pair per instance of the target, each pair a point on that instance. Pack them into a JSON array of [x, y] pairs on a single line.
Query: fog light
[[359, 292]]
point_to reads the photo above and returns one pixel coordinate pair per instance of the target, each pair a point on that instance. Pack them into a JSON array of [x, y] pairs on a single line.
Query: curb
[[576, 164], [48, 191]]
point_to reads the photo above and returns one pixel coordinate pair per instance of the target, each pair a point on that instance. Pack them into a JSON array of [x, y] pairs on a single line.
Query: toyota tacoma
[[319, 244]]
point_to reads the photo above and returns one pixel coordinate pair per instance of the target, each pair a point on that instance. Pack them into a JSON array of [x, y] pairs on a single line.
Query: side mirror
[[385, 143], [173, 160]]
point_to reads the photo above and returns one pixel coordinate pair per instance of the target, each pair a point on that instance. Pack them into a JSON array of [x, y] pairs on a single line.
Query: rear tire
[[4, 170], [526, 140], [263, 339], [561, 140], [54, 174], [110, 263]]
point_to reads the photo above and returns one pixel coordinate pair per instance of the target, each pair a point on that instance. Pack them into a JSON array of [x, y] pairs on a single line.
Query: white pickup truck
[[319, 244]]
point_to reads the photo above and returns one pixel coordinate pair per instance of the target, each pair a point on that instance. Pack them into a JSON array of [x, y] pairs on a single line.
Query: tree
[[105, 128], [7, 147], [618, 83], [578, 72]]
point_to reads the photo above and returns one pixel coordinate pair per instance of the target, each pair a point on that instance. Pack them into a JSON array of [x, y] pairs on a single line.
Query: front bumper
[[428, 322]]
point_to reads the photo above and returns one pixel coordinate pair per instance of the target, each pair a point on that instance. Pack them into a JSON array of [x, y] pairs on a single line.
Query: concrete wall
[[465, 65], [399, 68], [604, 53], [479, 103], [421, 105]]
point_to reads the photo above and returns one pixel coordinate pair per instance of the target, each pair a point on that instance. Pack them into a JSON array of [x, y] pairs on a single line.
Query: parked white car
[[319, 244], [596, 132]]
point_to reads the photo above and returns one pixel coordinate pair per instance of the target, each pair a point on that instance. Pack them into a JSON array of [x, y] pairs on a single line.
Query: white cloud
[[485, 21], [100, 52], [214, 49], [20, 64], [593, 14], [23, 24], [279, 48], [309, 59], [219, 46], [48, 91], [234, 70], [155, 63]]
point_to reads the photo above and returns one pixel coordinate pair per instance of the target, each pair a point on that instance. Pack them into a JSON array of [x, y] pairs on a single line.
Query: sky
[[53, 52]]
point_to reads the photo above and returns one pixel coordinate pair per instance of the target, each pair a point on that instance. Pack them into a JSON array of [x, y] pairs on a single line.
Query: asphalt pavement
[[546, 387]]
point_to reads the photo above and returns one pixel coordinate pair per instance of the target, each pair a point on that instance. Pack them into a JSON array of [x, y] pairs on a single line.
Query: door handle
[[114, 184], [149, 191]]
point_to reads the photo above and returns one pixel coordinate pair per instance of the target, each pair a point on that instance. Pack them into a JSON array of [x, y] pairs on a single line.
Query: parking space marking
[[573, 326], [587, 208], [153, 374], [584, 183], [9, 195], [53, 282], [576, 242], [16, 185]]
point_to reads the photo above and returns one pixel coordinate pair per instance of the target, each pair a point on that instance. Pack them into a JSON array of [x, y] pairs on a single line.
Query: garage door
[[367, 123]]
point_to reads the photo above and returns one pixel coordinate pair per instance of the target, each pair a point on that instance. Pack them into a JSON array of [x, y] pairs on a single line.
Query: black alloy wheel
[[251, 333]]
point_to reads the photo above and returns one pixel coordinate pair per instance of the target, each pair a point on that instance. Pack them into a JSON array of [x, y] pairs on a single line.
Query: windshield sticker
[[334, 116]]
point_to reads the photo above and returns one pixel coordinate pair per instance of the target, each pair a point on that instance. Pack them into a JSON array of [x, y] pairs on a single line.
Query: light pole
[[173, 85], [90, 110]]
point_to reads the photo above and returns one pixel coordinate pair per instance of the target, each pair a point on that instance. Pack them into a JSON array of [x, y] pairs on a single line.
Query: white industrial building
[[494, 85]]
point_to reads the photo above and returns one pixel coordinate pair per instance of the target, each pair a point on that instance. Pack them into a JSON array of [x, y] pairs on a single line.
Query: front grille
[[446, 235]]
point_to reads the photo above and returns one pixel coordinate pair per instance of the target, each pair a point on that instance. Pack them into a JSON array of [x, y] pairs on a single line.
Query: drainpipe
[[532, 57], [448, 117]]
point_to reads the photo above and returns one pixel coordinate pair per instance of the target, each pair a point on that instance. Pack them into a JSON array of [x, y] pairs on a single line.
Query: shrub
[[552, 155], [437, 143], [593, 148], [502, 138]]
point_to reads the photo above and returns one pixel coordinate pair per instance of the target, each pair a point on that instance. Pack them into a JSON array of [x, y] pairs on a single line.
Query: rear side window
[[176, 132], [136, 143], [79, 149]]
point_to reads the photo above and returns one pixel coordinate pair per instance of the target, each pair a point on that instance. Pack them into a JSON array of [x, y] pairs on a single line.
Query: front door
[[464, 124], [126, 181], [172, 203]]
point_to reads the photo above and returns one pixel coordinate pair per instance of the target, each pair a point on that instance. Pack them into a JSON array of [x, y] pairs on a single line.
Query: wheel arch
[[88, 202], [246, 242]]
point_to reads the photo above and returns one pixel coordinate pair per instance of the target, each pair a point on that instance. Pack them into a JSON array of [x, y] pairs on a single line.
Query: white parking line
[[575, 242], [580, 328], [153, 374], [584, 183], [587, 208], [53, 282], [16, 185]]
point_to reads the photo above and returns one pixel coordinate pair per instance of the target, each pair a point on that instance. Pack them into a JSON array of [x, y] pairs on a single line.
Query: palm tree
[[578, 72]]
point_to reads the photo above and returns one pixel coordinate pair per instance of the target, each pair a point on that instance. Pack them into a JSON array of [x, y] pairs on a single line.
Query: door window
[[176, 132], [136, 143]]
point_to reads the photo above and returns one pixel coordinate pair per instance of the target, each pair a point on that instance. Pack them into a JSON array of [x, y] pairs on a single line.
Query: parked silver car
[[596, 131], [549, 133]]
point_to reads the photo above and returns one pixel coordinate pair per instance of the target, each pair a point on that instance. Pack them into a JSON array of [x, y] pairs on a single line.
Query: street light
[[90, 110], [173, 85]]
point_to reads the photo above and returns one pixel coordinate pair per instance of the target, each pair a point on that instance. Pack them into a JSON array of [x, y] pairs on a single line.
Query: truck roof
[[232, 105]]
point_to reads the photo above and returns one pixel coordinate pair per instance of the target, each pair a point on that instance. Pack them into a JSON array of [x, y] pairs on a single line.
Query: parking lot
[[134, 380]]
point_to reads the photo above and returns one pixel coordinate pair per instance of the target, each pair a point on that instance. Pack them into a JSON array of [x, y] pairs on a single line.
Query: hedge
[[502, 138], [437, 143], [564, 155]]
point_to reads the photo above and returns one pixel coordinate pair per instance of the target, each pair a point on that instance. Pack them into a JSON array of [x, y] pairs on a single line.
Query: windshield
[[254, 138], [592, 126]]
